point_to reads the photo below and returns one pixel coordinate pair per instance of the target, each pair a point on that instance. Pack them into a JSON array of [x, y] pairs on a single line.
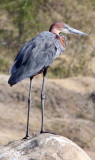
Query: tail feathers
[[12, 81], [15, 79]]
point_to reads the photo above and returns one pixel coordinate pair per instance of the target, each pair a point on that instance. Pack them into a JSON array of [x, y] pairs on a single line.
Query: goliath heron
[[36, 56]]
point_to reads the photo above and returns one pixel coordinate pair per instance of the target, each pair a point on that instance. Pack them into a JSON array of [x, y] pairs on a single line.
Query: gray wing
[[34, 56]]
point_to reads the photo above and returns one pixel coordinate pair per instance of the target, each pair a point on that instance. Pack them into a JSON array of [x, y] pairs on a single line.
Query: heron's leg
[[42, 99], [29, 106]]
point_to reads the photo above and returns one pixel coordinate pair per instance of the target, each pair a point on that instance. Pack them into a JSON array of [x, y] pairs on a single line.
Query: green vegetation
[[21, 20]]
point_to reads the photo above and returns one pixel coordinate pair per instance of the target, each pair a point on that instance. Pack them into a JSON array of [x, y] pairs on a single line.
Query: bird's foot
[[26, 137], [47, 132]]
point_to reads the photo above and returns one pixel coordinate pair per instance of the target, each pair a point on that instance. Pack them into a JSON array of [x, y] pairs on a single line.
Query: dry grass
[[79, 56]]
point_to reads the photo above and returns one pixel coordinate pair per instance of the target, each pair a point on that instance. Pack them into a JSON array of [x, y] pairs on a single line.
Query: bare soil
[[69, 110]]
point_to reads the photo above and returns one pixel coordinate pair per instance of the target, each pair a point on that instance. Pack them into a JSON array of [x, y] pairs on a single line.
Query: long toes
[[47, 132], [42, 131], [26, 137]]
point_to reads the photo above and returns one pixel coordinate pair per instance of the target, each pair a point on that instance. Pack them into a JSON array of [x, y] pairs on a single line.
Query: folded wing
[[34, 57]]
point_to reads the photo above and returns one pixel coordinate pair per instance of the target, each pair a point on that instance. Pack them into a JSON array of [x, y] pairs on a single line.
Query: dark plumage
[[35, 56]]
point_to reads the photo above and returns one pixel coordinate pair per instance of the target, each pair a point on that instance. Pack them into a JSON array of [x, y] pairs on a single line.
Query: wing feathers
[[33, 57]]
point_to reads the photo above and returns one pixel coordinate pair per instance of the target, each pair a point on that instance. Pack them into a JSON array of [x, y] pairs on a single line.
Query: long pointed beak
[[75, 31]]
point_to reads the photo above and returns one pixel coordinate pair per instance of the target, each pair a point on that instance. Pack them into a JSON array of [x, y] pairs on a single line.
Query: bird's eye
[[65, 27]]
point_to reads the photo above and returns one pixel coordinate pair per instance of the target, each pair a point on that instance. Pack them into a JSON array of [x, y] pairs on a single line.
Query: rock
[[43, 147]]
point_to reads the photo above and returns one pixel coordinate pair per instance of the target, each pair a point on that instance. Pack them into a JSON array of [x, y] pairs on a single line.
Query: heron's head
[[58, 27]]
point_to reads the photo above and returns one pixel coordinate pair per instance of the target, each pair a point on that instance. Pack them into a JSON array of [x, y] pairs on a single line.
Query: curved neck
[[54, 30]]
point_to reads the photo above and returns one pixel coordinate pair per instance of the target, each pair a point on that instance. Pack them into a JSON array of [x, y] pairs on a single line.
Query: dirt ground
[[69, 110]]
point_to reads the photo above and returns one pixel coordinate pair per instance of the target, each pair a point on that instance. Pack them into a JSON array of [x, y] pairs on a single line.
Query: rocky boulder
[[43, 147]]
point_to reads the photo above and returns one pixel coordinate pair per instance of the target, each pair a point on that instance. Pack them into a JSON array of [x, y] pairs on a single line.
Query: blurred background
[[71, 79]]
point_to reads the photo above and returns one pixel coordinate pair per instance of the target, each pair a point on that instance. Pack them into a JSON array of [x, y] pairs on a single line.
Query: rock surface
[[43, 147]]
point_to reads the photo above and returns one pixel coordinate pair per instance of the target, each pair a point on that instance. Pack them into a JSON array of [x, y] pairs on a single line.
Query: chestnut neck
[[55, 31]]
